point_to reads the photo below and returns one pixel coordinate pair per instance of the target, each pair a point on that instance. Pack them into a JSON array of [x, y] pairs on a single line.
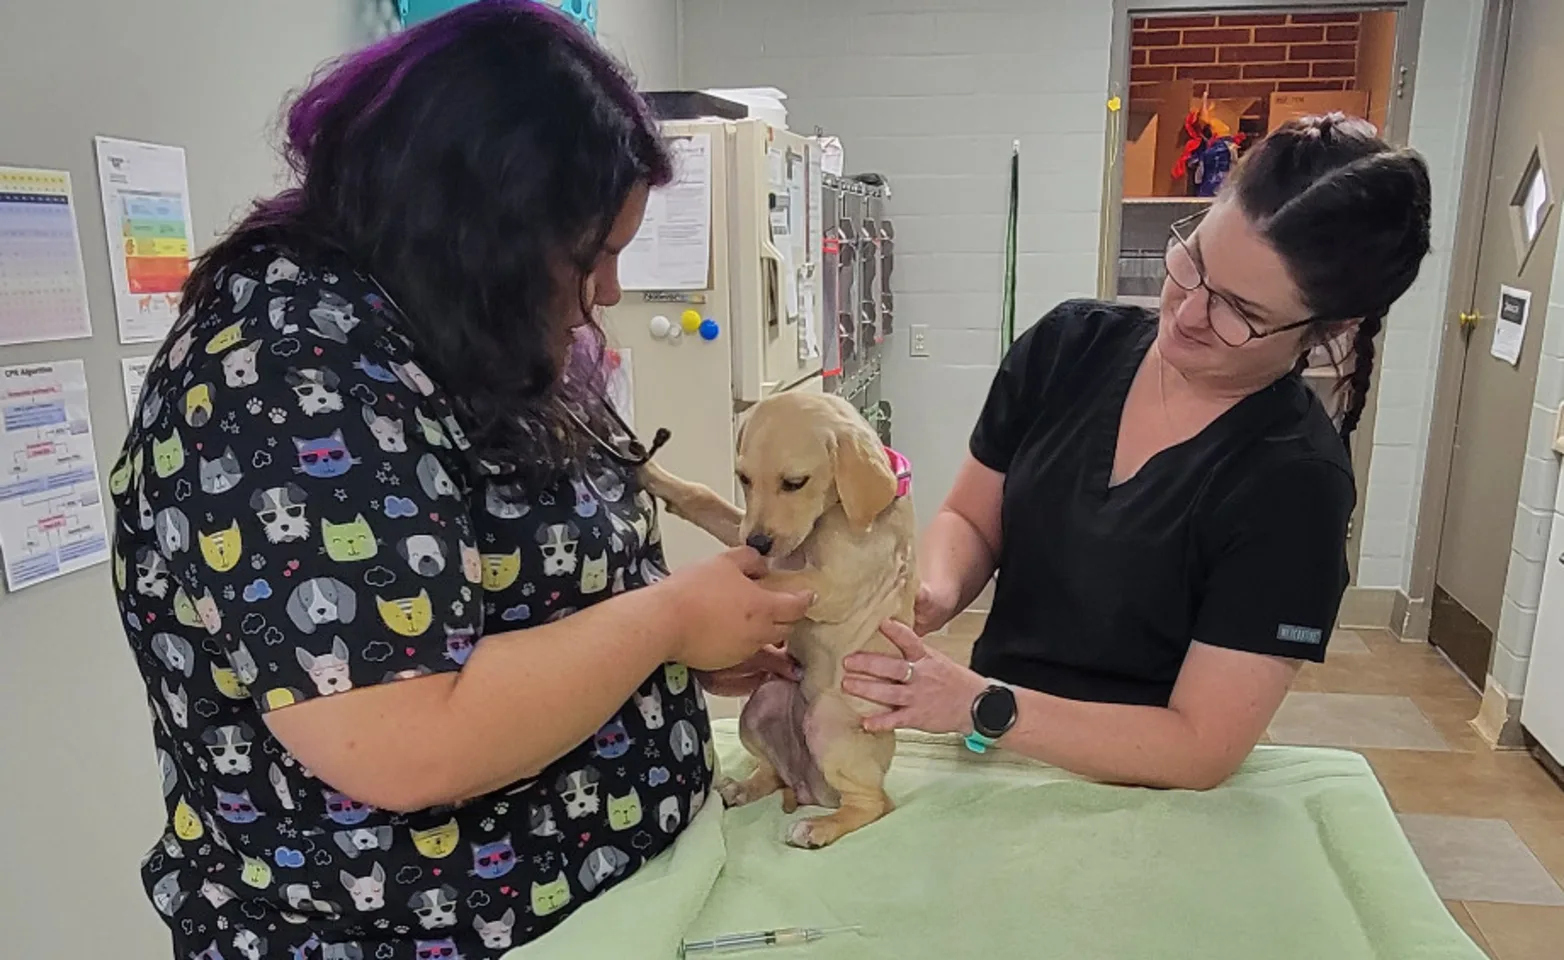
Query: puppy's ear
[[738, 439], [864, 481]]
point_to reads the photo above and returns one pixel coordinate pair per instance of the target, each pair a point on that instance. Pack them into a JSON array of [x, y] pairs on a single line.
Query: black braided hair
[[1356, 382], [1349, 215]]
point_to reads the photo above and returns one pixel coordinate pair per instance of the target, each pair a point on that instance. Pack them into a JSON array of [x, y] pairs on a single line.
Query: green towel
[[1297, 856]]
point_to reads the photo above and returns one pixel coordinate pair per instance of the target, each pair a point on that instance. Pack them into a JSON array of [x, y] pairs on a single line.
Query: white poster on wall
[[1509, 328], [52, 520], [672, 249], [134, 372], [146, 215], [621, 384]]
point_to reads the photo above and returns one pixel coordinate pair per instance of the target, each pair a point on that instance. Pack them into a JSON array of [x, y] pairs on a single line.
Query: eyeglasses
[[1228, 321]]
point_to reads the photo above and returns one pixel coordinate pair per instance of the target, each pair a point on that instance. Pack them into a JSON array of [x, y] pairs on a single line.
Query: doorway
[[1239, 68], [1519, 237]]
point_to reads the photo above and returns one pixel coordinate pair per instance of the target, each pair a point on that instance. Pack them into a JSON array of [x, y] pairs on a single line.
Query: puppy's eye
[[744, 481], [793, 484]]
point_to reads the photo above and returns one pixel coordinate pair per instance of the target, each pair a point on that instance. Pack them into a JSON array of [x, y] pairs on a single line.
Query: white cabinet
[[1542, 712]]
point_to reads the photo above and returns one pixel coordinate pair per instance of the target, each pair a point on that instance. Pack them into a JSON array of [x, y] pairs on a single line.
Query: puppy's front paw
[[809, 834], [736, 793], [732, 792]]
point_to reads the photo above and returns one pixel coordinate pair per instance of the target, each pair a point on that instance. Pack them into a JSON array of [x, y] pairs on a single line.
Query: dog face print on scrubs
[[301, 515]]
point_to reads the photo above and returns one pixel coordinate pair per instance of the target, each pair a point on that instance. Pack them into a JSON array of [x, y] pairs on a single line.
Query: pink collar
[[902, 468]]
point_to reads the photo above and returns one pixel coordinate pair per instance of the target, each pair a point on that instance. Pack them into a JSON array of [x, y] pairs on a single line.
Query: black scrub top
[[1235, 538]]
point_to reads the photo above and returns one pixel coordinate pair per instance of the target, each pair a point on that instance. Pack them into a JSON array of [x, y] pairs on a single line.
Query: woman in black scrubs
[[1164, 500]]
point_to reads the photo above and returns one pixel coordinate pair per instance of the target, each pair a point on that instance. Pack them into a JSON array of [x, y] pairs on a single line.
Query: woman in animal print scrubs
[[420, 684]]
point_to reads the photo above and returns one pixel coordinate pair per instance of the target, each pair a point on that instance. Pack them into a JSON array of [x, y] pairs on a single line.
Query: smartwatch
[[993, 714]]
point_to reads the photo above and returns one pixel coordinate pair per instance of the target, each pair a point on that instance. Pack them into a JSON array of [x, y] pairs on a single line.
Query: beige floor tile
[[1355, 721], [1452, 717], [1380, 639], [967, 624], [1348, 642], [1520, 933], [1464, 918], [1510, 786], [1546, 841], [1387, 671], [1472, 858], [958, 649]]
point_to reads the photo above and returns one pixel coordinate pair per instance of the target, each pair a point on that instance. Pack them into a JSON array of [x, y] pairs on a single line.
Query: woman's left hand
[[934, 696]]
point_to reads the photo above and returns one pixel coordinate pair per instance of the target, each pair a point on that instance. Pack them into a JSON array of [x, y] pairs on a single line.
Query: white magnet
[[660, 325]]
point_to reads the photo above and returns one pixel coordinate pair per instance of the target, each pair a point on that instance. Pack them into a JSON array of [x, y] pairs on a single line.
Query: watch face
[[995, 710]]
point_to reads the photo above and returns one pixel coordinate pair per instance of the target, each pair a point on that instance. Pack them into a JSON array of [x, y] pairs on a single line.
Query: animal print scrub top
[[297, 516]]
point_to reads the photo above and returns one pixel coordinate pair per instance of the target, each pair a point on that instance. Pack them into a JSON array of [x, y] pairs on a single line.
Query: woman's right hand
[[934, 608], [724, 615]]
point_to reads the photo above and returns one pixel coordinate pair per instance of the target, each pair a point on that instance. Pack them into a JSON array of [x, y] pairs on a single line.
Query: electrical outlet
[[918, 343]]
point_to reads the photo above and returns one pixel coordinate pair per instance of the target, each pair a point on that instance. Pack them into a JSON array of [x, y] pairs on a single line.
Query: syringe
[[780, 937]]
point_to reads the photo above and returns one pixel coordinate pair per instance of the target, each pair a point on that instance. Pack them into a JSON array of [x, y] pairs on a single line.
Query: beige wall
[[76, 765]]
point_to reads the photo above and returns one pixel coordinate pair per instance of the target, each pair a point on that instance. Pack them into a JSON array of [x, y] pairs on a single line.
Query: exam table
[[1297, 856]]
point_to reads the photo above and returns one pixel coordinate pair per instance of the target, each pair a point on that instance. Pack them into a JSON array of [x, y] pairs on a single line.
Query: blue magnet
[[709, 329]]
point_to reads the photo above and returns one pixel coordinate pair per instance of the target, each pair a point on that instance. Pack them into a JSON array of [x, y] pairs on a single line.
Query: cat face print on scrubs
[[222, 474], [324, 458], [349, 542], [299, 515]]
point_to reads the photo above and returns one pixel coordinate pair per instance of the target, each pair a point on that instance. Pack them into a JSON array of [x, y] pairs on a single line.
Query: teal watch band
[[978, 743]]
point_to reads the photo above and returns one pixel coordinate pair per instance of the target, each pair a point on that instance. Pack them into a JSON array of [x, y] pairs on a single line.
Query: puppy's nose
[[759, 542]]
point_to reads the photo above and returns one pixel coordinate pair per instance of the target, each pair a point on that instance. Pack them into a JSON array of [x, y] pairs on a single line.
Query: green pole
[[1007, 309]]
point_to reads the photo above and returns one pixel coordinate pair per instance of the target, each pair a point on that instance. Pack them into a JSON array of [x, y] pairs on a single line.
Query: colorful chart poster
[[43, 293], [146, 214], [52, 520]]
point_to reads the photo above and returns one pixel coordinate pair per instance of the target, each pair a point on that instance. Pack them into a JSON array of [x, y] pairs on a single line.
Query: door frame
[[1398, 124], [1461, 295]]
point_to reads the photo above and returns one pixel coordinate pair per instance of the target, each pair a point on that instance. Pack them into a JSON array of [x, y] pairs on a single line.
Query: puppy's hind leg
[[762, 713], [854, 762], [695, 503], [771, 729]]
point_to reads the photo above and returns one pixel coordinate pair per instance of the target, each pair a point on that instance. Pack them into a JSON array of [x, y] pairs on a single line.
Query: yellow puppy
[[822, 503]]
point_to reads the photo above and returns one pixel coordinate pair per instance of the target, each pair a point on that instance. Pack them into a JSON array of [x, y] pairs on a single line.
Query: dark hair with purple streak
[[473, 165]]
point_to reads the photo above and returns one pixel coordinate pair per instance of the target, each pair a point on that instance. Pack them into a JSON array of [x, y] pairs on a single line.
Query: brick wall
[[1250, 55]]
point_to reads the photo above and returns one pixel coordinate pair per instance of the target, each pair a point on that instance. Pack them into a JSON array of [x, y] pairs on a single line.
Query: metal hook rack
[[858, 258]]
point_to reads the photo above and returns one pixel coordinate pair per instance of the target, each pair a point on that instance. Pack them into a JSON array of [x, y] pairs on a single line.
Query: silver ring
[[910, 672]]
